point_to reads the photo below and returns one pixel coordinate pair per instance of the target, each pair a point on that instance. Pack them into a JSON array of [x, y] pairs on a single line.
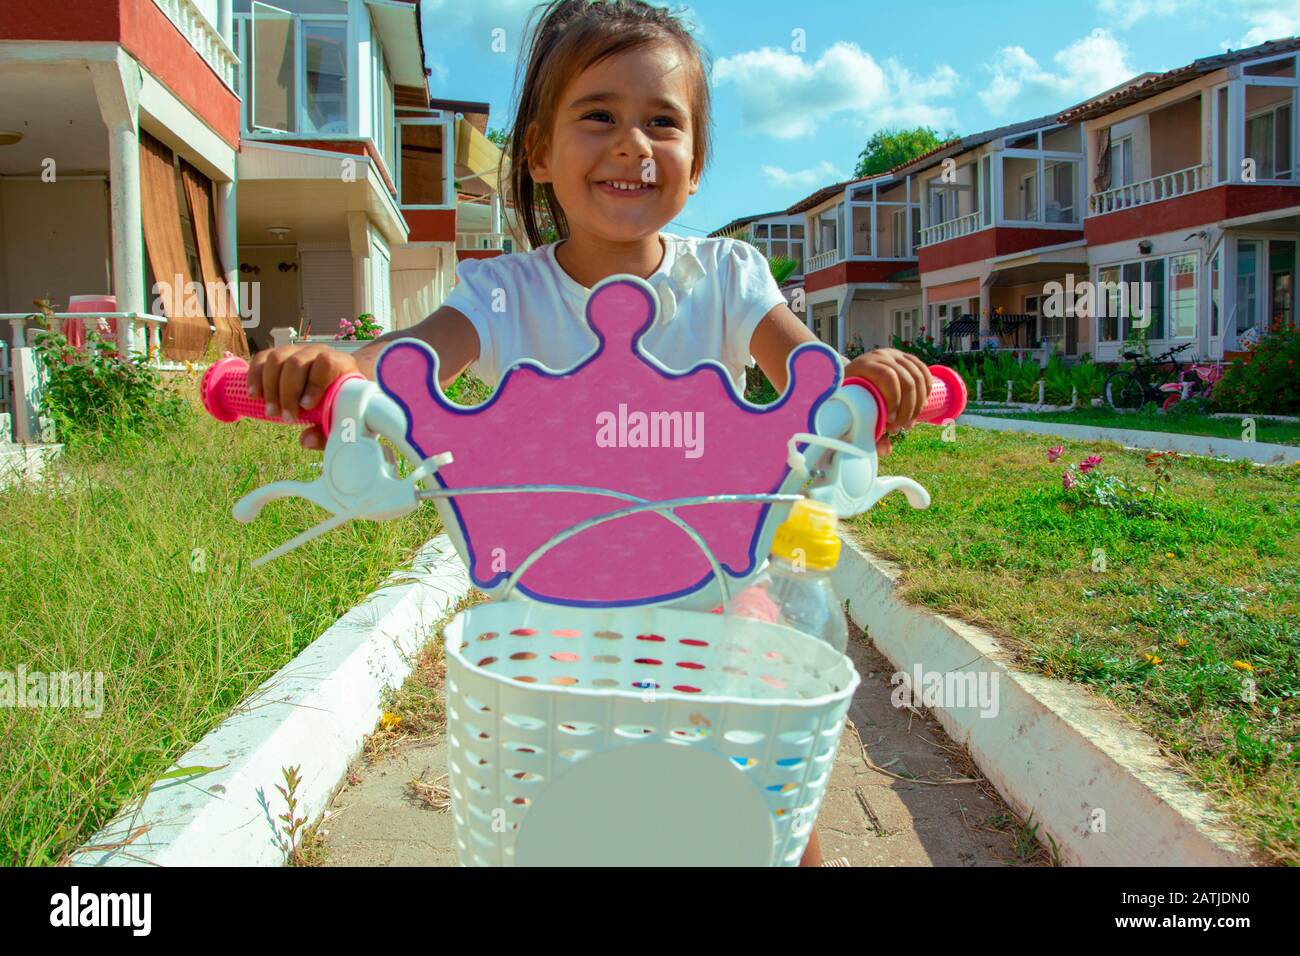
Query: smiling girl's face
[[619, 156]]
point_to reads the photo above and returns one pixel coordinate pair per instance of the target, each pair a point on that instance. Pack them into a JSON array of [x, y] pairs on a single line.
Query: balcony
[[1178, 183], [203, 36], [952, 229], [824, 260]]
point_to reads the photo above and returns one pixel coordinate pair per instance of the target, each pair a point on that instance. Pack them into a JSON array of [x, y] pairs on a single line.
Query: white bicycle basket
[[637, 736]]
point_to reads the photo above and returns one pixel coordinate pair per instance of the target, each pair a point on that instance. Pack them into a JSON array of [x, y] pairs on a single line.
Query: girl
[[610, 137]]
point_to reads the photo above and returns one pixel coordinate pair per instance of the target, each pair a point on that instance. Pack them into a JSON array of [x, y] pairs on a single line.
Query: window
[[274, 68], [1248, 255], [1268, 141], [1059, 177], [1221, 130], [382, 117], [861, 230], [1121, 162], [825, 316], [1281, 269], [1182, 296], [898, 226], [1216, 295], [986, 190], [293, 71], [907, 324], [916, 228], [780, 240], [325, 48], [1110, 304], [1029, 196], [422, 167]]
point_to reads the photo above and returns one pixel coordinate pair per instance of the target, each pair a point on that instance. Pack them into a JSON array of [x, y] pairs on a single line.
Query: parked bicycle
[[1131, 388], [1195, 381]]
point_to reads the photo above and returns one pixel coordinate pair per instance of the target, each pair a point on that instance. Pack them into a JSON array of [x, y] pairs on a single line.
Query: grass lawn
[[1279, 433], [1197, 599], [136, 569]]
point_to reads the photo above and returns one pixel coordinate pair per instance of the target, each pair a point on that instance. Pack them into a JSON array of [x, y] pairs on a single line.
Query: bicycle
[[1131, 388], [599, 711], [1196, 381]]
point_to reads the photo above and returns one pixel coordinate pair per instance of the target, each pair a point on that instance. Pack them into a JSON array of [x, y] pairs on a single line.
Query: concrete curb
[[315, 712], [1264, 453], [1049, 747]]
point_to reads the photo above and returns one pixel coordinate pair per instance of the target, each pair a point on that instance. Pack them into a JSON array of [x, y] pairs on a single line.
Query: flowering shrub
[[95, 398], [1085, 485], [1267, 380], [363, 328]]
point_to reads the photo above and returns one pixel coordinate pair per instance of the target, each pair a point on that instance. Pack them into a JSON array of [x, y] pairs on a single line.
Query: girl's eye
[[599, 115], [668, 120]]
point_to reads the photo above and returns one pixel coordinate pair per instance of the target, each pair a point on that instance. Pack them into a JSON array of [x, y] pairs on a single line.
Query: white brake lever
[[356, 480], [853, 483]]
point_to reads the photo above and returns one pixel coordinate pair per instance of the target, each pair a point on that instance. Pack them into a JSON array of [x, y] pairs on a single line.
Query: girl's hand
[[297, 376], [903, 380]]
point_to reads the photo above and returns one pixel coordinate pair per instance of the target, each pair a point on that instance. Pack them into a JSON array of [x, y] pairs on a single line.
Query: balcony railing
[[480, 240], [952, 229], [145, 336], [823, 260], [203, 36], [1167, 186]]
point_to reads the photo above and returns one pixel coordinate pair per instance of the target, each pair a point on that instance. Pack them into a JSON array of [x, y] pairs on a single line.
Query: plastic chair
[[74, 330]]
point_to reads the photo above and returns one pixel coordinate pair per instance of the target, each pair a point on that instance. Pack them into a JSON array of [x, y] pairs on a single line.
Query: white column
[[984, 314], [117, 88], [496, 212], [1236, 129], [228, 240], [225, 21]]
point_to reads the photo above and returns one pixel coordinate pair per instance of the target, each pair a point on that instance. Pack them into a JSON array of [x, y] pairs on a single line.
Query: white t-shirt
[[720, 288]]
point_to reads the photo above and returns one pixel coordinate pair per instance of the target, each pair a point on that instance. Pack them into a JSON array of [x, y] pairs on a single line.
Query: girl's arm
[[902, 378], [297, 376]]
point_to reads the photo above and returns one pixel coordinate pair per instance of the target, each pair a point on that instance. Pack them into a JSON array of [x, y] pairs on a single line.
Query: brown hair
[[570, 36]]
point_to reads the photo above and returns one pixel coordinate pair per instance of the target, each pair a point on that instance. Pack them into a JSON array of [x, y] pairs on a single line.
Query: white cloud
[[1125, 13], [786, 96], [821, 174], [1268, 20], [1084, 68]]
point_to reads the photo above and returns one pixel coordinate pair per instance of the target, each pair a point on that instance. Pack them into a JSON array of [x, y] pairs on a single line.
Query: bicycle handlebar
[[224, 391], [947, 398]]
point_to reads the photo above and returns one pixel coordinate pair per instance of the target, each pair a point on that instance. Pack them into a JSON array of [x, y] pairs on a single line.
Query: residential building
[[861, 284], [288, 153], [1195, 198]]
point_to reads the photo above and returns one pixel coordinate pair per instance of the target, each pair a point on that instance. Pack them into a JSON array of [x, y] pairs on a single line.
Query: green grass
[[1280, 433], [1205, 584], [136, 569]]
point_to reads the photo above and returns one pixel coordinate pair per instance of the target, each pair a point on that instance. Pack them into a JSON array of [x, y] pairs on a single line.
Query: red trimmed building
[[289, 149], [1183, 186]]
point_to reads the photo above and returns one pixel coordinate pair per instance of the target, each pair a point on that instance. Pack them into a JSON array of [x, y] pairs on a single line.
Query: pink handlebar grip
[[947, 398], [224, 391]]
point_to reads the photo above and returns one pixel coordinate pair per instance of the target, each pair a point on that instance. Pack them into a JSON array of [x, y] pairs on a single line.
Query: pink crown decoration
[[618, 420]]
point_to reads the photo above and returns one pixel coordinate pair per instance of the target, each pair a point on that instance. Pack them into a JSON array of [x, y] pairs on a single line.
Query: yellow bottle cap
[[808, 537]]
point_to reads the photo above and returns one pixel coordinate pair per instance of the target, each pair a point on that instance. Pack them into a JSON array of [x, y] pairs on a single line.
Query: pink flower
[[1089, 463], [1068, 480], [1055, 453]]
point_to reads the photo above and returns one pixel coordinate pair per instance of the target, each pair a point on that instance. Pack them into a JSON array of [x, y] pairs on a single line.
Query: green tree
[[888, 148]]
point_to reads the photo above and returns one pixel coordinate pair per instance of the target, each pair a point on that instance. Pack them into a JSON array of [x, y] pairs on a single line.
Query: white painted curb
[[1049, 747], [1264, 453], [314, 713]]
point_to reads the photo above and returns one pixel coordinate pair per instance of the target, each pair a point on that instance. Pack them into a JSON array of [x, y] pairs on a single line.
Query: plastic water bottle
[[795, 588]]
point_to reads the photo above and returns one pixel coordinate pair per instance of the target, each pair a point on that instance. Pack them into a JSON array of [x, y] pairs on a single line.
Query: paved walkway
[[868, 817], [1263, 453]]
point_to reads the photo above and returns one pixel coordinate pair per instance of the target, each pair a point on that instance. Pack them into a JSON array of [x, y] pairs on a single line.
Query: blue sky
[[790, 120]]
